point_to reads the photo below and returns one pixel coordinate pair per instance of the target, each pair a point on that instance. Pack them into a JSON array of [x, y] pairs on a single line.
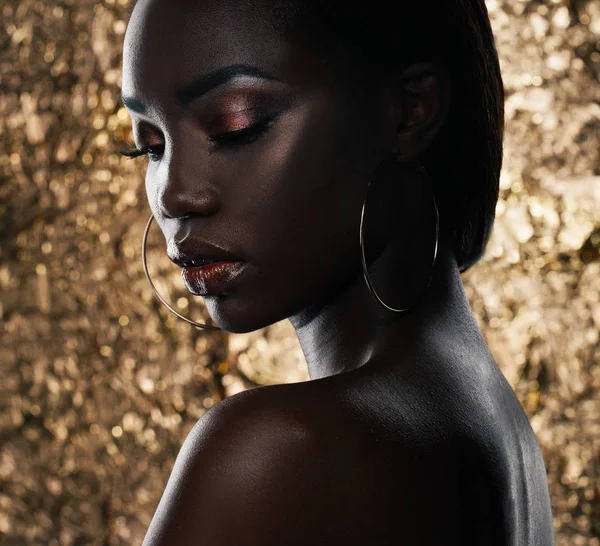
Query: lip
[[193, 252], [212, 278]]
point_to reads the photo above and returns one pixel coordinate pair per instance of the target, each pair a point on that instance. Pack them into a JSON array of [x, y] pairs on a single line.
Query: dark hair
[[465, 160], [384, 36]]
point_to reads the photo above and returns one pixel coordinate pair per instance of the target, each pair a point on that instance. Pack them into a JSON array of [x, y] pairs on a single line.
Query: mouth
[[206, 268], [193, 252], [197, 262], [212, 278]]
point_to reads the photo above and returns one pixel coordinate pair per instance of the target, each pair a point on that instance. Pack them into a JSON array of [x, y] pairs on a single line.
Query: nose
[[177, 202], [186, 191]]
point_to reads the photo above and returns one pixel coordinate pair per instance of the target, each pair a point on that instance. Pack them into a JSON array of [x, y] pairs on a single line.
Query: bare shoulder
[[238, 476], [292, 465], [288, 465]]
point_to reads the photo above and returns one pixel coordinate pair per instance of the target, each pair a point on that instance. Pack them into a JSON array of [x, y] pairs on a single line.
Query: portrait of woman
[[336, 164], [299, 272]]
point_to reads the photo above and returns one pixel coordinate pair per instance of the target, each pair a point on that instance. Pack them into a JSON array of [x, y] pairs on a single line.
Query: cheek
[[301, 210]]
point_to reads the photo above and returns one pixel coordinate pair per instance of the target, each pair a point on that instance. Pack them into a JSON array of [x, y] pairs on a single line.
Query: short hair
[[384, 36]]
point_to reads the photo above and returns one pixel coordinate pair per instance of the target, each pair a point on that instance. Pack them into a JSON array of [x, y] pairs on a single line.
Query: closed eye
[[240, 137], [244, 135], [151, 151]]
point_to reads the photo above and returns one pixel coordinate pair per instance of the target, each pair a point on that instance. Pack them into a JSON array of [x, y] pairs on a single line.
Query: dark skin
[[407, 432]]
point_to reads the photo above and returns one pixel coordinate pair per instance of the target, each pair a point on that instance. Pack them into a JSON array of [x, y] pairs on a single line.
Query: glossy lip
[[212, 278], [193, 252]]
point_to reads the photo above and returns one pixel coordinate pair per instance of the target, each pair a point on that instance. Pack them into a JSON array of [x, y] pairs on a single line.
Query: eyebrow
[[205, 83]]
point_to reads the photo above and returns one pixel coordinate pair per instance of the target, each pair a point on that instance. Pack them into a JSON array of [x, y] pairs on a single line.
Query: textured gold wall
[[100, 384]]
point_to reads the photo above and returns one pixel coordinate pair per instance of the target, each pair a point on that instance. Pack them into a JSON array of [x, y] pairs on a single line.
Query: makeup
[[213, 278]]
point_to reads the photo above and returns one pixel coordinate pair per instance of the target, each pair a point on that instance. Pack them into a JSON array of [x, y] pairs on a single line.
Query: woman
[[336, 165]]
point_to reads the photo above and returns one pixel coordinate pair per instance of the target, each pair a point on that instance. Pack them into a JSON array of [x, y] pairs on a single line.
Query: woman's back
[[454, 440]]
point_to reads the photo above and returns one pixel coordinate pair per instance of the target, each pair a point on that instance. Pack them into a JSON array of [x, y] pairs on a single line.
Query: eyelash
[[241, 137]]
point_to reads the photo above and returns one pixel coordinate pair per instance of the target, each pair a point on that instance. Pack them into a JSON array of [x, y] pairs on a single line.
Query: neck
[[352, 329]]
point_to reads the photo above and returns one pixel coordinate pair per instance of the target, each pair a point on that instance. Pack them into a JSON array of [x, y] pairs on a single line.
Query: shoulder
[[260, 411], [288, 465], [242, 471]]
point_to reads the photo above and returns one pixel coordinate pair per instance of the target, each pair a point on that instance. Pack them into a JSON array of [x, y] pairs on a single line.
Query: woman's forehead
[[172, 42], [159, 29]]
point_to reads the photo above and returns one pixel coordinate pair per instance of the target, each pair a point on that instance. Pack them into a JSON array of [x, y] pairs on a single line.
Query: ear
[[418, 103]]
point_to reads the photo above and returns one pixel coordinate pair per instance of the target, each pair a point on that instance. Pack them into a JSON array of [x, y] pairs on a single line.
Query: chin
[[238, 317]]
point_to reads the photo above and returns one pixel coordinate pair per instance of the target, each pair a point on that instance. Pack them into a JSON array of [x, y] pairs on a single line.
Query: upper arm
[[236, 480]]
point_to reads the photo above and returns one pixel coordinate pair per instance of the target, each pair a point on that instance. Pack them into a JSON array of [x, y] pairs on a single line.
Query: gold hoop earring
[[420, 168], [158, 296]]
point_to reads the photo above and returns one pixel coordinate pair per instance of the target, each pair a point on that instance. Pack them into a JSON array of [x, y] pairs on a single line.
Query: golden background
[[100, 384]]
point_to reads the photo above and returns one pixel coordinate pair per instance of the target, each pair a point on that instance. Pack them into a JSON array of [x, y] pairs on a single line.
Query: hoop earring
[[158, 296], [420, 168]]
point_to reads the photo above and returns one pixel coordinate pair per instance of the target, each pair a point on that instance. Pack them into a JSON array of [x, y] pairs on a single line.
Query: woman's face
[[285, 198]]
